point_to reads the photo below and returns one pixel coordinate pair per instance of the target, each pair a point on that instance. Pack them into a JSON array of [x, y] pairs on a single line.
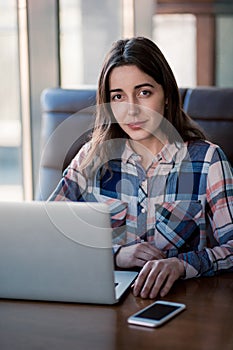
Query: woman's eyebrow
[[142, 85], [115, 90], [136, 87]]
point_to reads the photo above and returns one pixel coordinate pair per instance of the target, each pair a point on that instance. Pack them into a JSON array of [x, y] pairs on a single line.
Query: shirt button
[[143, 210]]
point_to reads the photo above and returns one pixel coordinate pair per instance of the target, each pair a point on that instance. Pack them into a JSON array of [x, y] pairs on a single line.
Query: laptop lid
[[58, 251]]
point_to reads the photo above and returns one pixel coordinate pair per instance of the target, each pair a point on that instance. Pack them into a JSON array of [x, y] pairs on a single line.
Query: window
[[224, 51], [202, 29], [10, 124], [175, 34], [86, 32]]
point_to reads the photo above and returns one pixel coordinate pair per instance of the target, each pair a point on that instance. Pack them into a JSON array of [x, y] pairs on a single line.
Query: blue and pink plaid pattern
[[183, 203]]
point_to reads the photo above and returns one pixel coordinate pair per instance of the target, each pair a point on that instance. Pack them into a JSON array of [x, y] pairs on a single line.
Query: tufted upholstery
[[71, 113]]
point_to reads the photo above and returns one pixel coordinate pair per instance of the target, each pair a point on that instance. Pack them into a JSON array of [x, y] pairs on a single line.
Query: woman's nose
[[133, 109]]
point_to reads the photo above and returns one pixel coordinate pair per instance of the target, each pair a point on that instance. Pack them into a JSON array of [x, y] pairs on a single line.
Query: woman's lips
[[136, 125]]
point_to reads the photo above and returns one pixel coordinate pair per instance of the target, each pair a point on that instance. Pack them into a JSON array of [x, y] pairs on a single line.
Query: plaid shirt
[[183, 203]]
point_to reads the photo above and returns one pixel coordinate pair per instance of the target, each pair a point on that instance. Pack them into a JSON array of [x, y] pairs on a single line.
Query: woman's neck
[[147, 149]]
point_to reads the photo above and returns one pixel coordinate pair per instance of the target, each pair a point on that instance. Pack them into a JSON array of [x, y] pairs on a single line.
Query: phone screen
[[157, 311]]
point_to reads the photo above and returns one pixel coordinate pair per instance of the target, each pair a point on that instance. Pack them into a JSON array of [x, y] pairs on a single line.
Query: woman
[[169, 191]]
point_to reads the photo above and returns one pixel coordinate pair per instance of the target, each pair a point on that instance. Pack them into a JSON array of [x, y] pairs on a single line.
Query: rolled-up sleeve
[[219, 208], [73, 184]]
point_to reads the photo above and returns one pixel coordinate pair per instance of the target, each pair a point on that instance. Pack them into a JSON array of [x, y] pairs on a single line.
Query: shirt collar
[[166, 155], [170, 150], [129, 153]]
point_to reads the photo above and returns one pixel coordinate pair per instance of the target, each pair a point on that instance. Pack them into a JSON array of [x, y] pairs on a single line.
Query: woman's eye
[[145, 93], [116, 97]]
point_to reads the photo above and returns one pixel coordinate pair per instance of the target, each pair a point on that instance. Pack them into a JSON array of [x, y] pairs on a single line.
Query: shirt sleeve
[[74, 187], [219, 208], [73, 184]]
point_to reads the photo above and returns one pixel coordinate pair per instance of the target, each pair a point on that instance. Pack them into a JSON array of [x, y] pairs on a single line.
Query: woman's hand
[[137, 255], [157, 277]]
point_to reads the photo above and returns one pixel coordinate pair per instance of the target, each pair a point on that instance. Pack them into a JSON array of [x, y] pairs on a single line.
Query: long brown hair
[[146, 55]]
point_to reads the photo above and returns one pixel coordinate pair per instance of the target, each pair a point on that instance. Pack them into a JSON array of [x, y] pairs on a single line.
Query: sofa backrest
[[71, 113], [67, 119], [212, 109]]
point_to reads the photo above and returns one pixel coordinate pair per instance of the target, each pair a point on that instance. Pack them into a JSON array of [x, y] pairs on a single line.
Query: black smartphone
[[156, 314]]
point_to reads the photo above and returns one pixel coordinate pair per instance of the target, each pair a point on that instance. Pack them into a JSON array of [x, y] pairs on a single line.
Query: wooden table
[[207, 324]]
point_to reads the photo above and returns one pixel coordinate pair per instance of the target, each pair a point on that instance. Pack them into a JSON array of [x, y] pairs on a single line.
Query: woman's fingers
[[157, 277], [137, 255], [151, 252]]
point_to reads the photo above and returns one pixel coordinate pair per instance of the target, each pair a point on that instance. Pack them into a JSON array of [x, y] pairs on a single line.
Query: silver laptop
[[59, 251]]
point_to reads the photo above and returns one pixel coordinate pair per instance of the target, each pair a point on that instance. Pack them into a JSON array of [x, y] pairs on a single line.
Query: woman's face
[[137, 102]]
